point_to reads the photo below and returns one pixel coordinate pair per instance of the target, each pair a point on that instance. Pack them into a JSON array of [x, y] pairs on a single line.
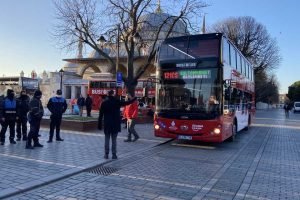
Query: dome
[[150, 23], [95, 54]]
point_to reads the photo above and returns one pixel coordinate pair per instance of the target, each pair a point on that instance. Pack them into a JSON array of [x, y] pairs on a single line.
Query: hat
[[37, 93], [110, 92], [9, 91], [58, 92]]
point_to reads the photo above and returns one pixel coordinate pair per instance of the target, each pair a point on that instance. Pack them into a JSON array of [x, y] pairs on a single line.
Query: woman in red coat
[[131, 113]]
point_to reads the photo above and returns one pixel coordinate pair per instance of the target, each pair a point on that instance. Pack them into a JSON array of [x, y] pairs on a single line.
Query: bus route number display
[[187, 74]]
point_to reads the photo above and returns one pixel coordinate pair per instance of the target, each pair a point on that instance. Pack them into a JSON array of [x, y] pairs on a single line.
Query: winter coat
[[57, 106], [80, 102], [23, 105], [110, 110], [88, 102], [9, 109], [36, 110], [131, 111]]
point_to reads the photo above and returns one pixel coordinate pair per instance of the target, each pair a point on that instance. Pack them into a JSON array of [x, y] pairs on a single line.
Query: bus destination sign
[[187, 74], [186, 65]]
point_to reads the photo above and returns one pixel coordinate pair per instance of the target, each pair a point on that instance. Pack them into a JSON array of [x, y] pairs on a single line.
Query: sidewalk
[[23, 169]]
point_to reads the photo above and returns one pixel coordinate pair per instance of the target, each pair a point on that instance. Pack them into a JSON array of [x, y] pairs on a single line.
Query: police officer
[[23, 106], [57, 106], [36, 112], [8, 116]]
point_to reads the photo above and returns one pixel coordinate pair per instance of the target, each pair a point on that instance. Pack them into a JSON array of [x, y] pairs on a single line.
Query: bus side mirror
[[227, 93]]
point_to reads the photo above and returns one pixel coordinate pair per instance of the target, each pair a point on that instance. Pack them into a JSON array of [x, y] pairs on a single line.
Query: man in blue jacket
[[57, 106], [8, 116]]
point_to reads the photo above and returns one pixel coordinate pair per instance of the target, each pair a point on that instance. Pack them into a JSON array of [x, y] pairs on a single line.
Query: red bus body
[[194, 77]]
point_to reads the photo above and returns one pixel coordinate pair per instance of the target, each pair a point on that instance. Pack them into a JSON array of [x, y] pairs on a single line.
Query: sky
[[26, 42]]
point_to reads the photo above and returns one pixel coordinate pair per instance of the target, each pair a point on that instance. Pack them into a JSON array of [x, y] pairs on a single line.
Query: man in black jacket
[[57, 106], [35, 114], [88, 104], [110, 110], [81, 103], [8, 116], [23, 106]]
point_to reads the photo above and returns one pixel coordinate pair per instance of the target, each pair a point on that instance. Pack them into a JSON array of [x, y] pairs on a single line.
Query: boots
[[37, 144], [114, 156], [59, 139], [28, 145]]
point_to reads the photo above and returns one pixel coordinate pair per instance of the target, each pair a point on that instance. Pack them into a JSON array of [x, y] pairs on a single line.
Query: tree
[[253, 40], [266, 88], [294, 91], [255, 43], [81, 20]]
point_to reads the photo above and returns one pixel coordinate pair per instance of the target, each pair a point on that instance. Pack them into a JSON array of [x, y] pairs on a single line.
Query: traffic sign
[[119, 79]]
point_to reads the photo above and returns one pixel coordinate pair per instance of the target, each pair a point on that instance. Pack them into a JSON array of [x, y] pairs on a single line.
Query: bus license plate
[[184, 137]]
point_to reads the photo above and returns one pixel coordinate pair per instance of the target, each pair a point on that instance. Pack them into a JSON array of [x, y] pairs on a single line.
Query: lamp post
[[61, 72], [101, 41]]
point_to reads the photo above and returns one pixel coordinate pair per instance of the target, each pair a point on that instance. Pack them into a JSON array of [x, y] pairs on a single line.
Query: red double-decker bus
[[98, 89], [205, 89]]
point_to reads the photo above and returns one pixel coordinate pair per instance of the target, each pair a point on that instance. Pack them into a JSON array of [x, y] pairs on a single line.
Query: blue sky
[[26, 43]]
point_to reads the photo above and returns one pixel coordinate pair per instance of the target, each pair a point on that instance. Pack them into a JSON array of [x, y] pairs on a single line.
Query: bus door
[[241, 111]]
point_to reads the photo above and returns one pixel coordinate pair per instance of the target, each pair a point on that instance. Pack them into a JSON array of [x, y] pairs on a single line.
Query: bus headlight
[[217, 131], [156, 127]]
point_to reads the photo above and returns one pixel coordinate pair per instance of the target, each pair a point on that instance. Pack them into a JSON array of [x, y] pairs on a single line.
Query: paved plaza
[[263, 163]]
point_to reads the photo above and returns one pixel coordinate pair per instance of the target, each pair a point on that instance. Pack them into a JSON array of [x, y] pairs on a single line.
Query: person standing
[[110, 110], [8, 116], [23, 106], [57, 106], [88, 104], [81, 103], [35, 114], [131, 113]]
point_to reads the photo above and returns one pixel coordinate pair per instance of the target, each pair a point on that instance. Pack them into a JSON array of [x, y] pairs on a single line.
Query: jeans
[[130, 129], [113, 136]]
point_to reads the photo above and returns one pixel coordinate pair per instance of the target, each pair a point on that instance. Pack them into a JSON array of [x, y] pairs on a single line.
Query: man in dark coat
[[35, 114], [57, 106], [8, 116], [88, 104], [81, 103], [110, 110], [23, 106]]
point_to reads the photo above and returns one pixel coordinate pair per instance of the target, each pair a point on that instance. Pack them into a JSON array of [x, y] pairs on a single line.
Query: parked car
[[296, 106]]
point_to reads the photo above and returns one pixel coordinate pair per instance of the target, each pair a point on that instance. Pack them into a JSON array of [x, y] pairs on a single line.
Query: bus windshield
[[193, 91]]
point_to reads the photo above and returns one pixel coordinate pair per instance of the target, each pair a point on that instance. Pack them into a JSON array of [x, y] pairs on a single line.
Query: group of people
[[81, 102], [22, 110]]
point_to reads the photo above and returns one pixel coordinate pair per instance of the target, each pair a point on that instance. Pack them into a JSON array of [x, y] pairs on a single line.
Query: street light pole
[[118, 57], [61, 72]]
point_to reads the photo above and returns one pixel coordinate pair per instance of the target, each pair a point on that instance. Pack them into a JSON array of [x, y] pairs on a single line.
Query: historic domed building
[[94, 65]]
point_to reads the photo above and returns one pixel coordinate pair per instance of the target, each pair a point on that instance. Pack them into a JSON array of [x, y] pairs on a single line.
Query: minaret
[[158, 9], [203, 25], [80, 46], [22, 74]]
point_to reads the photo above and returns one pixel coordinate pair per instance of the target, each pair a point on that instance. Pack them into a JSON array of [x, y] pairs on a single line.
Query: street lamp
[[61, 72], [136, 37], [101, 41]]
